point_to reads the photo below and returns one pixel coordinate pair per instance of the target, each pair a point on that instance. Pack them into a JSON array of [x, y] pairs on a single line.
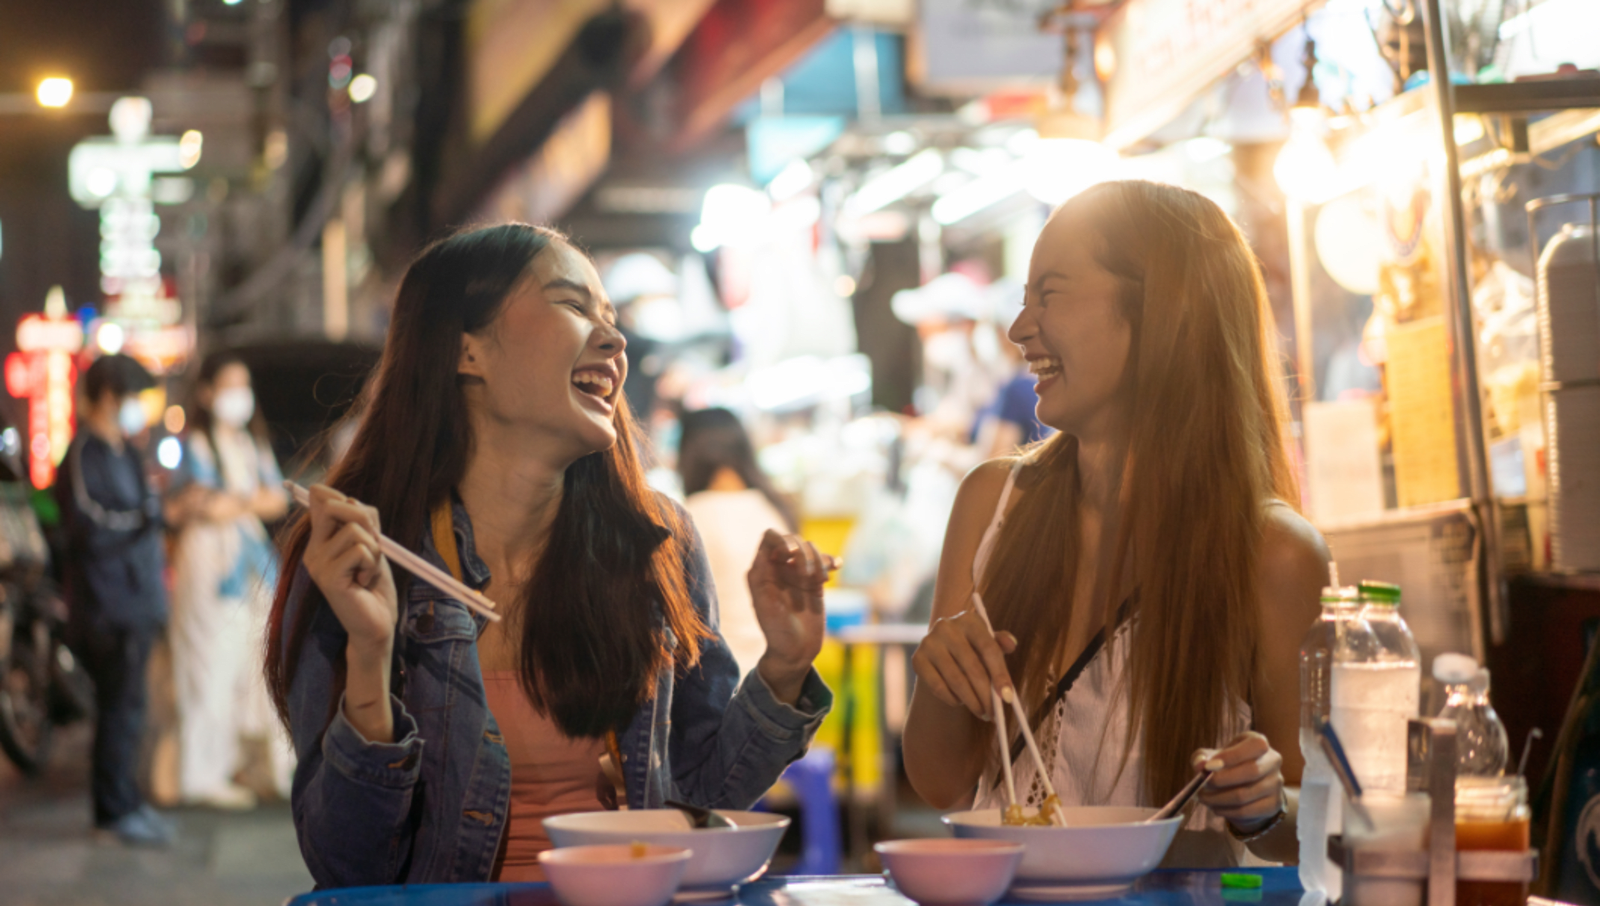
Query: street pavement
[[50, 855]]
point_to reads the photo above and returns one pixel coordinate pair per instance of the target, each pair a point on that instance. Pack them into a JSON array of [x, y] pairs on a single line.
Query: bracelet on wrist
[[1271, 825]]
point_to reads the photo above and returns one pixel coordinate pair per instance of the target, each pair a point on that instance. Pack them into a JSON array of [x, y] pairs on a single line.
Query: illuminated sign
[[113, 174], [43, 373], [1158, 55]]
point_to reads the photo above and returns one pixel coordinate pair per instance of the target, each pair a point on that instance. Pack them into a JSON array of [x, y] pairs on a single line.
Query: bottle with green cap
[[1377, 687], [1380, 607]]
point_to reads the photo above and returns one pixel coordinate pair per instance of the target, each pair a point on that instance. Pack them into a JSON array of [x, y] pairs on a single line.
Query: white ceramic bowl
[[1102, 850], [723, 857], [945, 872], [612, 875]]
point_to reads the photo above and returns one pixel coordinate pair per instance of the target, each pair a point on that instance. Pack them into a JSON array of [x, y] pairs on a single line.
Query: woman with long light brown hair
[[1146, 572]]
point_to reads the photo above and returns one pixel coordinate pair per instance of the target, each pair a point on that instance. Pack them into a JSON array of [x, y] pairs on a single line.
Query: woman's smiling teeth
[[1044, 367], [595, 383]]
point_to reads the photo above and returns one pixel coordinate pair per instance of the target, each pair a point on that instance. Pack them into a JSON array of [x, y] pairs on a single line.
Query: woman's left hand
[[786, 582], [1247, 788]]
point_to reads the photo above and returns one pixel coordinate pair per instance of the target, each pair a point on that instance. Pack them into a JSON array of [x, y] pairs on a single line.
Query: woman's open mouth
[[596, 387], [1046, 369]]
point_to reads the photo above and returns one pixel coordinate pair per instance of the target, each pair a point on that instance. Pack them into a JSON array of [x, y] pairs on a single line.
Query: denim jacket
[[431, 806]]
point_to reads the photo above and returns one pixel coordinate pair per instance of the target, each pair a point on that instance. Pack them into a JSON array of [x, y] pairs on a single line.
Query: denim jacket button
[[425, 623]]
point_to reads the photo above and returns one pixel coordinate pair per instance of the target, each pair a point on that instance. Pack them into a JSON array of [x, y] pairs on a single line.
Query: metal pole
[[1300, 291], [1460, 323]]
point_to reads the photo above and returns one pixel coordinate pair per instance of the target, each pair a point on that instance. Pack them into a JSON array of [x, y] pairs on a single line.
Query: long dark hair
[[715, 439], [592, 639]]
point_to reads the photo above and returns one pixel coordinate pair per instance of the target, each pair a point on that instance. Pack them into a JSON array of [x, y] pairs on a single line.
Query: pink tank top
[[551, 774]]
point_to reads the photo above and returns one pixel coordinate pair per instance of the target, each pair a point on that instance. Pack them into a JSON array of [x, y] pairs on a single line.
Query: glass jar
[[1492, 814]]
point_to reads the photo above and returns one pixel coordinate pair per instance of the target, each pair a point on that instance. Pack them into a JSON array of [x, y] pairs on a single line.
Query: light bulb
[[1305, 169], [54, 92], [1056, 169]]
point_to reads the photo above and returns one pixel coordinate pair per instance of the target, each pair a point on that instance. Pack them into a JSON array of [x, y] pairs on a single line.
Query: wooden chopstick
[[1003, 739], [1183, 797], [417, 566], [1056, 817]]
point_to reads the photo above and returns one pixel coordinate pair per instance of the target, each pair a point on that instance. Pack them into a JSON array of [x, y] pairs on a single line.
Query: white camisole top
[[1083, 738]]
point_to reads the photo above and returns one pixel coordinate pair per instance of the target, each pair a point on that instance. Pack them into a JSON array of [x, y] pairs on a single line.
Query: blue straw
[[1332, 748]]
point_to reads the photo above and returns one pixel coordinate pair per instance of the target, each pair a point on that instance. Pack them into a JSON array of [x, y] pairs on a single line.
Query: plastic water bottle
[[1320, 813], [1481, 745], [1377, 687]]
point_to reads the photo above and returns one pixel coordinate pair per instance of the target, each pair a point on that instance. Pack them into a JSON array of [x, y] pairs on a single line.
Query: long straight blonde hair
[[1206, 452]]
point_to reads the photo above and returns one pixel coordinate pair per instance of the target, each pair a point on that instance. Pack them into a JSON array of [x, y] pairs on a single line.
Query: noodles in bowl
[[1016, 816], [1102, 850]]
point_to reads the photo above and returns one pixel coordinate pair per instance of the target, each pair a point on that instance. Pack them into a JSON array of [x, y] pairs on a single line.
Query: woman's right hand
[[344, 559], [960, 661]]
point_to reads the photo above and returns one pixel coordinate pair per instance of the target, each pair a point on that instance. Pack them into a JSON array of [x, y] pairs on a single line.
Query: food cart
[[1439, 448]]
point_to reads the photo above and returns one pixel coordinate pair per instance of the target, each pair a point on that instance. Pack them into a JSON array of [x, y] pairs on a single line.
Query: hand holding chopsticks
[[365, 563], [1056, 816]]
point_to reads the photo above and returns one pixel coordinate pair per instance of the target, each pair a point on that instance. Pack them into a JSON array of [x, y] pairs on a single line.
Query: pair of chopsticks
[[1002, 738], [1182, 799], [414, 564]]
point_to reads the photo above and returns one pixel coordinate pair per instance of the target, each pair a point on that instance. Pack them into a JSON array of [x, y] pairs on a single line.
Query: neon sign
[[44, 373]]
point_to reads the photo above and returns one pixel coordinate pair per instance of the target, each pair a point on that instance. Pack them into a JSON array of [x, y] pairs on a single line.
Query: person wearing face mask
[[118, 600], [224, 567]]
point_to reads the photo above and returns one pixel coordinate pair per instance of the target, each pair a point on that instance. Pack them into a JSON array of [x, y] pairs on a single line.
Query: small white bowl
[[1102, 851], [612, 875], [941, 872], [723, 856]]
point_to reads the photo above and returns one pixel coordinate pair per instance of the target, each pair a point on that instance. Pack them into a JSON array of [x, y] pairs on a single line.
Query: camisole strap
[[991, 535]]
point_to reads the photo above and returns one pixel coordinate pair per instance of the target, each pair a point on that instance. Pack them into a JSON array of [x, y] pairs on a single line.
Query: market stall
[[1441, 290]]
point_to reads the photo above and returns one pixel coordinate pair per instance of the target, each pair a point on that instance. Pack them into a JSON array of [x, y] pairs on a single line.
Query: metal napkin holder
[[1431, 768]]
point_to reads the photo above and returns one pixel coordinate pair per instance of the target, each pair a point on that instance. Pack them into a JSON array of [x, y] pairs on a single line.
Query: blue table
[[1280, 887]]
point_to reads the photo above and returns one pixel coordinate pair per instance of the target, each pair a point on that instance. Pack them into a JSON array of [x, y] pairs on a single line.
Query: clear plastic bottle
[[1320, 813], [1481, 745], [1377, 687]]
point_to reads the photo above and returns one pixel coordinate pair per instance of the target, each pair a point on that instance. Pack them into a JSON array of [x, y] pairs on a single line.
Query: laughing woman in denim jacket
[[497, 441]]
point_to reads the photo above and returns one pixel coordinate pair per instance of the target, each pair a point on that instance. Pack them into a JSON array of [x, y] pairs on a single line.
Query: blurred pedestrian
[[957, 378], [224, 568], [1009, 421], [118, 602], [733, 503]]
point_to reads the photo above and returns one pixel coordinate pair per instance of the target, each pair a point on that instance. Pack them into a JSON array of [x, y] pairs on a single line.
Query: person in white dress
[[1146, 573], [224, 570], [732, 503]]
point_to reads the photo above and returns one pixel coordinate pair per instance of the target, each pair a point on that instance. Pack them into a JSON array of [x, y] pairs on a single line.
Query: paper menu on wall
[[1422, 415], [1343, 471]]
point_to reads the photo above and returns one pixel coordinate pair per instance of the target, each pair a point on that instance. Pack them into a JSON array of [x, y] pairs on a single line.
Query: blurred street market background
[[815, 215]]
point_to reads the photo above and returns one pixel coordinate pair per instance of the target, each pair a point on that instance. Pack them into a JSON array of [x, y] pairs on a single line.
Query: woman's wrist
[[1256, 828], [784, 679], [366, 691]]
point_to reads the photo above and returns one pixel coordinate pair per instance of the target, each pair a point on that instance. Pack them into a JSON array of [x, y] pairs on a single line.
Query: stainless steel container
[[1568, 282]]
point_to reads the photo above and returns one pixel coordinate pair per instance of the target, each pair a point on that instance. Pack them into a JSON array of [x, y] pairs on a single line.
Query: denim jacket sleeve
[[730, 740], [352, 799]]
